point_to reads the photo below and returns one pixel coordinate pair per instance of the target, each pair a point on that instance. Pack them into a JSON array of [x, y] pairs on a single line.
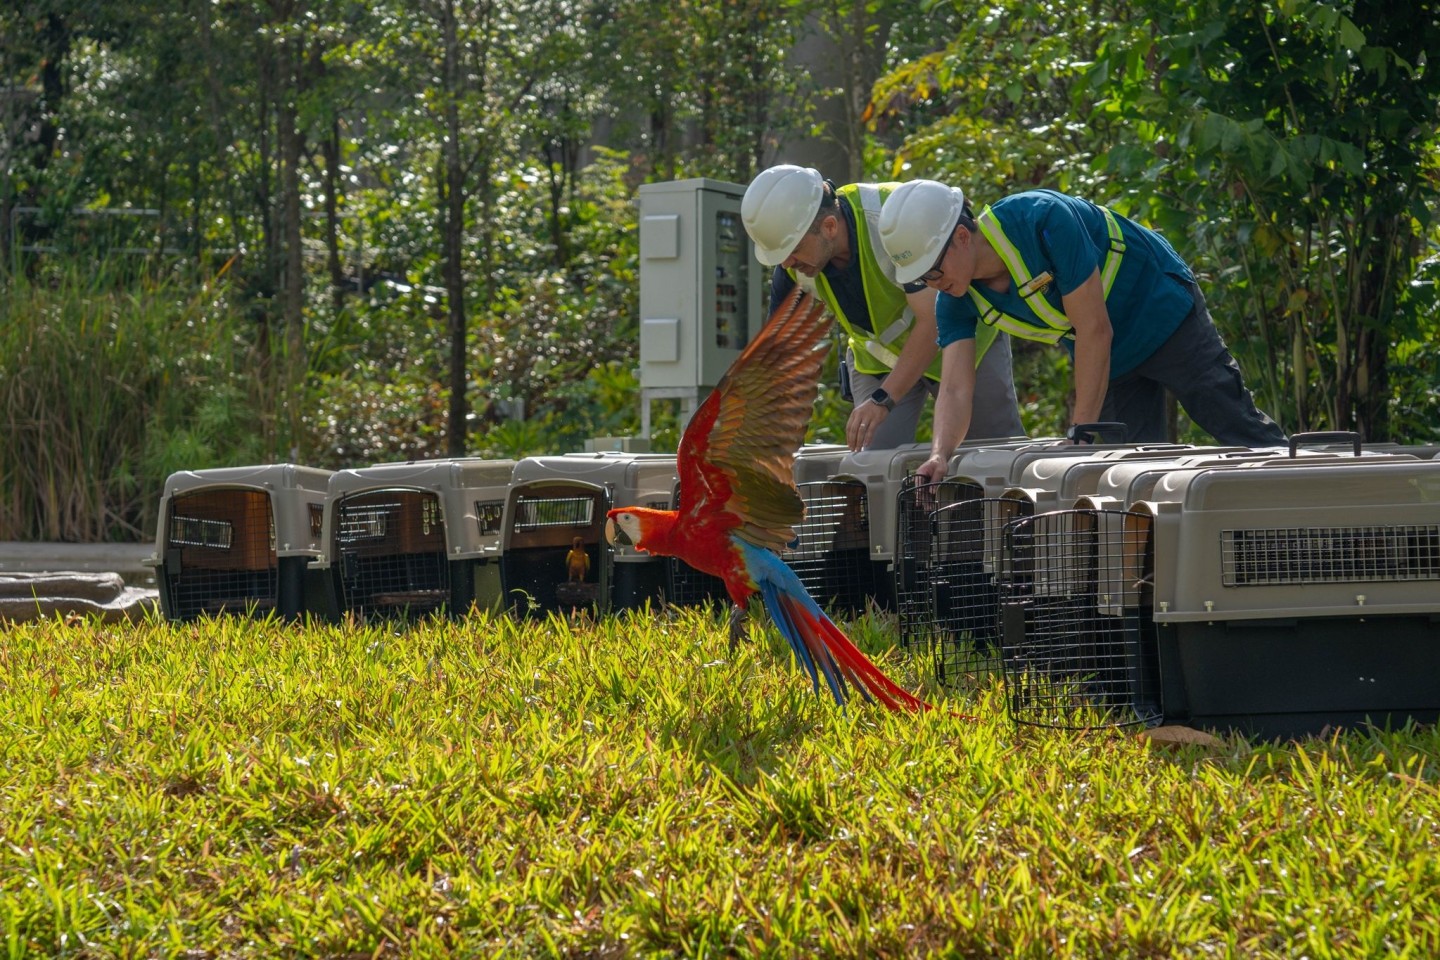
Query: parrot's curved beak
[[615, 535]]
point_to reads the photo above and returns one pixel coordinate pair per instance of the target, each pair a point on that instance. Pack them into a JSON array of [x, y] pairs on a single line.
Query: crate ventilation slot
[[536, 513], [1251, 558]]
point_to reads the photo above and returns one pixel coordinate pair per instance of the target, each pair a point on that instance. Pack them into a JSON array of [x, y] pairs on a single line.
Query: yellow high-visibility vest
[[877, 351], [1030, 286]]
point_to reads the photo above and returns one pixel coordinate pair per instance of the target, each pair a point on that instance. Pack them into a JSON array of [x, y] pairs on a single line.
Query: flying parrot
[[738, 501]]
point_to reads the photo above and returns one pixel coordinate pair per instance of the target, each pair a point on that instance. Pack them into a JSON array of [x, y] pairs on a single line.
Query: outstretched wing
[[736, 459]]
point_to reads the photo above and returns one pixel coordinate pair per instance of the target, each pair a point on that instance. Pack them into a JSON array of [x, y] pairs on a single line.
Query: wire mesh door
[[391, 548], [964, 550], [549, 521], [832, 551], [913, 512], [1077, 634], [220, 553]]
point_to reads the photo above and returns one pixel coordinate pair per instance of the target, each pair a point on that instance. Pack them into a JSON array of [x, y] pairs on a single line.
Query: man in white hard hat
[[825, 239], [1050, 267]]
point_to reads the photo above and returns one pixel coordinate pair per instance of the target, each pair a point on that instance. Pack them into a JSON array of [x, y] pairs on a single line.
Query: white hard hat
[[779, 206], [915, 221]]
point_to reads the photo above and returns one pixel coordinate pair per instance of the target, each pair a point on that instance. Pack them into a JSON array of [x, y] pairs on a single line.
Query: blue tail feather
[[772, 569], [789, 631]]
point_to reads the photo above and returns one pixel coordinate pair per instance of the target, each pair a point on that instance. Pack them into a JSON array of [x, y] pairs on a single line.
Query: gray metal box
[[700, 284]]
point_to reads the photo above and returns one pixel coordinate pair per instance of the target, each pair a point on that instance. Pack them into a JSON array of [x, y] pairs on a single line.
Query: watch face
[[882, 398]]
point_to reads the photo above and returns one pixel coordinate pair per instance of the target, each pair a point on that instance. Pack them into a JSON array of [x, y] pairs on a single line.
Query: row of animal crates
[[1275, 591], [404, 540], [1267, 589]]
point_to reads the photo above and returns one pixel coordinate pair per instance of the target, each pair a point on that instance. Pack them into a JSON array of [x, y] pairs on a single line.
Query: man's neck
[[840, 255], [990, 270]]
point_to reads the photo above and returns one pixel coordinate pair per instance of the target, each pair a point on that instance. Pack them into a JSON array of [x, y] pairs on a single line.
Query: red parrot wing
[[736, 459]]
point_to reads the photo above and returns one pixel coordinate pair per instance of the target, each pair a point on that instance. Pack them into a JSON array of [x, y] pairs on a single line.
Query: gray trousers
[[1196, 366], [996, 413]]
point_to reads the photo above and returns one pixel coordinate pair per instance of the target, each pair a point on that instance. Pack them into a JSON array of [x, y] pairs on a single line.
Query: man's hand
[[864, 420], [933, 470]]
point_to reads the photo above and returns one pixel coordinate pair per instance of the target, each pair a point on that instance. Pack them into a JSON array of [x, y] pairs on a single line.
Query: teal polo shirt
[[1068, 237]]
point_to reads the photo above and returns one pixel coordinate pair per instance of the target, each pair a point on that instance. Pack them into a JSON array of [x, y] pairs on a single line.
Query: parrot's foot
[[738, 618]]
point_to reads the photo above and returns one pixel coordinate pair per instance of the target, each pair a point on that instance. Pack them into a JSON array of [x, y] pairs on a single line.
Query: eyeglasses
[[934, 273]]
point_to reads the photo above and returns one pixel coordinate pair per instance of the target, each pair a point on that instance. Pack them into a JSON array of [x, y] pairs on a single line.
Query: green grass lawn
[[238, 789]]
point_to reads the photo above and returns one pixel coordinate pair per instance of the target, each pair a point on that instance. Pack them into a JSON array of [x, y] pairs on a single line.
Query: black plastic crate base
[[634, 585], [1301, 676]]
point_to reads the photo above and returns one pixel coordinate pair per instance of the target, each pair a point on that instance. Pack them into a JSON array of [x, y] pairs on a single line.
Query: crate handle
[[1093, 430], [1325, 436]]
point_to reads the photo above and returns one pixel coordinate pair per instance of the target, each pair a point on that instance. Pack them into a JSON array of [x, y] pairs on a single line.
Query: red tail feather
[[857, 668]]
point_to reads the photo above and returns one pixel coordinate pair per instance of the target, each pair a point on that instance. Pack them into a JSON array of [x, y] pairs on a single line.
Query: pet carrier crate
[[914, 506], [831, 555], [1077, 645], [1291, 596], [557, 504], [240, 540], [963, 616], [912, 584], [883, 473], [406, 540], [1055, 483]]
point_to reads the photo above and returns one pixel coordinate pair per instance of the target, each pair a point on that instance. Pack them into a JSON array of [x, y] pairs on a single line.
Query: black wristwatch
[[1078, 435], [882, 398]]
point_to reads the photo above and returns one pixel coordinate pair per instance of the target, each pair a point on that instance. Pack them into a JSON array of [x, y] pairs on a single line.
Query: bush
[[109, 381]]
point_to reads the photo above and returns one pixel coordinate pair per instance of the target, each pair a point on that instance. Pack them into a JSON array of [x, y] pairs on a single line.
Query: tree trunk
[[292, 301], [331, 148], [266, 285], [453, 211]]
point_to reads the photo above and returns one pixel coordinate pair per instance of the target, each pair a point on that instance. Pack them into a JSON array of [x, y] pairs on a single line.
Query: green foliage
[[111, 380], [1288, 150], [1002, 106], [1295, 145], [629, 788]]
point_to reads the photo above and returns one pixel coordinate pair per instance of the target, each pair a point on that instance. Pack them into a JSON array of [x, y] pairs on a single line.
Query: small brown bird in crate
[[577, 561]]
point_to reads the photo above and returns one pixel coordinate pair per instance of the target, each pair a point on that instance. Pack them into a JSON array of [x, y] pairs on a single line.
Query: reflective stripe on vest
[[1031, 288]]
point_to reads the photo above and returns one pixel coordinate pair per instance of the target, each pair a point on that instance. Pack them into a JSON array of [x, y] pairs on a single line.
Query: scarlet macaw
[[738, 498]]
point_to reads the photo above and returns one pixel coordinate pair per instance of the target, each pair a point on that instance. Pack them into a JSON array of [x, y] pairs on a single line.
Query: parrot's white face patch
[[622, 529]]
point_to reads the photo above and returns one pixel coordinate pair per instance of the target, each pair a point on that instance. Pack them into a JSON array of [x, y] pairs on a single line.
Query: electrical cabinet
[[701, 288]]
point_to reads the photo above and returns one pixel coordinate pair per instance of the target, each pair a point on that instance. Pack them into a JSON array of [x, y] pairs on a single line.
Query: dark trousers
[[1196, 366]]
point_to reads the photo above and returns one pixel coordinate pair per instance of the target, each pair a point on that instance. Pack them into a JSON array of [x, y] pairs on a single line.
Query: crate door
[[914, 510], [832, 552], [391, 550], [547, 522], [220, 554]]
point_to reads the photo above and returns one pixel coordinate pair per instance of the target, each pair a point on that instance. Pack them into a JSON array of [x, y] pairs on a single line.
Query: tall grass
[[488, 788], [108, 382]]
